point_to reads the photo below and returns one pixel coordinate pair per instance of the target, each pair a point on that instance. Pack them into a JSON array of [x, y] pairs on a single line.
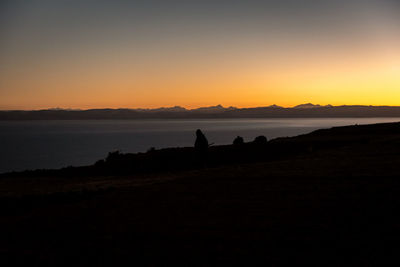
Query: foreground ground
[[331, 206]]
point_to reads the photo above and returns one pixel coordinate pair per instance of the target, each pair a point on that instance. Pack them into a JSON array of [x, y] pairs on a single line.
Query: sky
[[146, 54]]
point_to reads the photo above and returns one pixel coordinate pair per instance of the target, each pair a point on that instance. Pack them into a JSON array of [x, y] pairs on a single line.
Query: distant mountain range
[[309, 105], [301, 111]]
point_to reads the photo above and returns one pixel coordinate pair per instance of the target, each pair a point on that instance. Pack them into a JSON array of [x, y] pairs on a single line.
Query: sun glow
[[349, 56]]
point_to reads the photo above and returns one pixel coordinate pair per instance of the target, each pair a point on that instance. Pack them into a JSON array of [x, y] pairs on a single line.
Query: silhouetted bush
[[151, 149], [99, 163], [113, 156], [238, 141], [260, 140]]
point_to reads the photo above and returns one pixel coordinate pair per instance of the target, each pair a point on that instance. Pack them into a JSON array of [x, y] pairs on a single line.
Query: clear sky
[[152, 53]]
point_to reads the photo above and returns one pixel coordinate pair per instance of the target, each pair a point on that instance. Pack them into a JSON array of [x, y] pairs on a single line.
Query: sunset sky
[[131, 54]]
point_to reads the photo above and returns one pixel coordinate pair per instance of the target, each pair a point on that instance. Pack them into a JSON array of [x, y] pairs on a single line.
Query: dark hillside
[[331, 197]]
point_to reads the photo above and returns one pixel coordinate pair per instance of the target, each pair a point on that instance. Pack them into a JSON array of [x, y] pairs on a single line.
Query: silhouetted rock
[[238, 141]]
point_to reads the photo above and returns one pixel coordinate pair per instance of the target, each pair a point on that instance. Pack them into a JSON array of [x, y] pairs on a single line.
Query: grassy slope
[[331, 206]]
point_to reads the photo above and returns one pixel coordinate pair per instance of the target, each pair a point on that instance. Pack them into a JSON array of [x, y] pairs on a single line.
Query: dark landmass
[[300, 111], [330, 197]]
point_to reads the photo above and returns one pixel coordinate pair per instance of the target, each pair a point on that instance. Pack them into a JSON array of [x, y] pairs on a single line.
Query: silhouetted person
[[201, 147], [260, 140], [238, 141], [201, 142]]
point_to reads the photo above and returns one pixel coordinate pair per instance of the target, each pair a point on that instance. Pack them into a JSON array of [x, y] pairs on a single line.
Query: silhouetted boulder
[[260, 140], [238, 141]]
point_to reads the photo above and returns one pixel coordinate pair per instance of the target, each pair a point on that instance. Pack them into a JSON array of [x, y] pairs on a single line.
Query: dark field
[[328, 198]]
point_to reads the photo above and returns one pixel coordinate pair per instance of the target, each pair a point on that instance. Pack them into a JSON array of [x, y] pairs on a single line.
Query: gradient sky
[[96, 54]]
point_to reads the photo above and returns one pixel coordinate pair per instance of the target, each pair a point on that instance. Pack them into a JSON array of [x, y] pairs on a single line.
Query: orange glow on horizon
[[118, 55], [369, 76]]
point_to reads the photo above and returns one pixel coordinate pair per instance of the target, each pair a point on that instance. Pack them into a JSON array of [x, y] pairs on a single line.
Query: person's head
[[198, 132]]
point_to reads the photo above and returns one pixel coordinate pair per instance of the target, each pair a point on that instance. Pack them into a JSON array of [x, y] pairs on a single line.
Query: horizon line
[[304, 105]]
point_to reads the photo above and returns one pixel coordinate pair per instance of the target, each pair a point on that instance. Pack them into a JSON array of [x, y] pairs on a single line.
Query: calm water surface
[[55, 144]]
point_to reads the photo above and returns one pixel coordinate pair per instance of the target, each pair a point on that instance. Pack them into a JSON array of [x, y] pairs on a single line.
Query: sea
[[61, 143]]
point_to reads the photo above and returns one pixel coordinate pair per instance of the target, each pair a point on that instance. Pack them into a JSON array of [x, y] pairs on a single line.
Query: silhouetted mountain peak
[[213, 108], [307, 105], [164, 109], [274, 106], [310, 105], [62, 109]]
